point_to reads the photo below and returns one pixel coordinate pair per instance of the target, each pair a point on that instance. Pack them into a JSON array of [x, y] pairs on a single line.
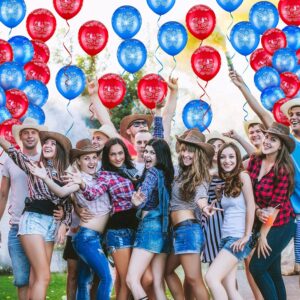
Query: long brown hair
[[233, 184], [191, 177]]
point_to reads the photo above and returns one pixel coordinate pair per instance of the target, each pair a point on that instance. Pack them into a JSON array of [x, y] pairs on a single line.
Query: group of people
[[146, 215]]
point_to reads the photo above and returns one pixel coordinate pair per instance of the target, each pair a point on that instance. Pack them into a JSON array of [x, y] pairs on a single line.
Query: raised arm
[[250, 149]]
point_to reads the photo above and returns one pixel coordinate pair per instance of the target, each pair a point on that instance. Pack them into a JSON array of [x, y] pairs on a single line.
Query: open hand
[[35, 170], [73, 177], [263, 247], [240, 244], [138, 198]]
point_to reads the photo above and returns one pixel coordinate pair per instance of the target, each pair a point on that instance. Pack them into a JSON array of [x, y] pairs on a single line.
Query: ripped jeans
[[87, 244]]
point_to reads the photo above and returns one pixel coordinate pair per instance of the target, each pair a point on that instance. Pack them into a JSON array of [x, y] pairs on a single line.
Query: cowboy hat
[[128, 120], [283, 133], [197, 138], [215, 135], [28, 123], [289, 104], [182, 136], [107, 130], [254, 120], [82, 147]]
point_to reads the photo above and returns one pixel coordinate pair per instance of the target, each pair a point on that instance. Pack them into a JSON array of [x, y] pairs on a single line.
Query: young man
[[101, 135], [253, 130]]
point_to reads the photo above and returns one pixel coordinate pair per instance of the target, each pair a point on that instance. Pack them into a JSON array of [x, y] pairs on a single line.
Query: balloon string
[[122, 74], [71, 117], [201, 42], [70, 54], [207, 110], [158, 22], [175, 64], [231, 23], [247, 60], [203, 89], [245, 111], [160, 63], [92, 113], [9, 33]]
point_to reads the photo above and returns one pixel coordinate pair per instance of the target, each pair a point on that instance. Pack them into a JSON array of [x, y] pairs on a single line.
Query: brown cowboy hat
[[283, 133], [128, 120], [182, 136], [82, 147], [61, 139], [197, 138]]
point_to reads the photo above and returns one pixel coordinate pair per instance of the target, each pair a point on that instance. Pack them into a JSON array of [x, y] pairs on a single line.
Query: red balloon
[[279, 116], [112, 89], [273, 39], [260, 58], [130, 147], [289, 83], [6, 52], [67, 9], [152, 89], [92, 37], [37, 70], [200, 21], [16, 102], [298, 55], [289, 11], [41, 51], [41, 24], [5, 130], [206, 62]]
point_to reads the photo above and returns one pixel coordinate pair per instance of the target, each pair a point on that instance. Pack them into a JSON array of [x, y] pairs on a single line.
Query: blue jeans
[[267, 271], [19, 260], [87, 244]]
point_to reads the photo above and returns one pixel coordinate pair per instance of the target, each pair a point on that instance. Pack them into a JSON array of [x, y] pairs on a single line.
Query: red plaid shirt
[[267, 193]]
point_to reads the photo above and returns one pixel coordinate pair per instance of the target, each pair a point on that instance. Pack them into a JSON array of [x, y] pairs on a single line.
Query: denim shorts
[[188, 237], [35, 223], [19, 260], [149, 236], [240, 255], [119, 239]]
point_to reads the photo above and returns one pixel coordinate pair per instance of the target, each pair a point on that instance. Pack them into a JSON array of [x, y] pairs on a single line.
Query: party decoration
[[296, 71], [132, 55], [273, 39], [67, 9], [126, 21], [2, 98], [200, 21], [152, 89], [41, 51], [289, 11], [244, 38], [35, 112], [284, 60], [6, 130], [12, 12], [206, 62], [172, 37], [4, 114], [266, 77], [112, 89], [37, 70], [260, 58], [92, 37], [263, 15], [197, 114], [22, 49], [230, 5], [16, 103], [289, 83], [292, 34], [12, 75], [279, 116], [41, 24], [270, 96], [70, 82], [36, 92], [160, 7], [6, 52], [298, 56]]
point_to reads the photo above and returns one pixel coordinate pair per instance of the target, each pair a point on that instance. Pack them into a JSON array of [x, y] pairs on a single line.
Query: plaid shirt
[[158, 131], [119, 188], [268, 193]]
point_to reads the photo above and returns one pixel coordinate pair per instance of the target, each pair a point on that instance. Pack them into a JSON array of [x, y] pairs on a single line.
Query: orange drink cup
[[270, 213]]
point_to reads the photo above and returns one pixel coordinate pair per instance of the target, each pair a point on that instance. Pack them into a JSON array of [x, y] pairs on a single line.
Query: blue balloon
[[197, 114], [229, 5], [244, 38], [270, 96], [172, 37], [2, 97], [266, 77], [70, 81], [12, 75], [160, 7], [263, 16], [297, 71], [284, 60], [4, 114], [12, 12], [126, 21], [22, 49], [37, 93], [132, 55], [292, 34], [35, 112]]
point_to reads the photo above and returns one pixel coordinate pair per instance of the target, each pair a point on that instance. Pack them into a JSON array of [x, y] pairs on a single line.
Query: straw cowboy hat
[[28, 123], [107, 130], [289, 104], [197, 138], [128, 120], [82, 147], [283, 133], [254, 120], [215, 135]]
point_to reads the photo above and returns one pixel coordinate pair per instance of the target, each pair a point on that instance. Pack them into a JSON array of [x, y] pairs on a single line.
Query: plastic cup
[[269, 212]]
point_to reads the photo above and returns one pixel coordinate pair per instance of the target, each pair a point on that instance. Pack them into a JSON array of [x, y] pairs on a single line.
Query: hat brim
[[16, 129], [75, 153], [289, 104], [247, 124]]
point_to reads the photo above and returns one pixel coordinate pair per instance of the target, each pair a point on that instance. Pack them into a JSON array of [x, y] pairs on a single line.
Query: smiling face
[[149, 157], [294, 118], [271, 144], [228, 160], [49, 149], [99, 139], [255, 134], [88, 163], [140, 141], [29, 137], [217, 144], [187, 156], [116, 155]]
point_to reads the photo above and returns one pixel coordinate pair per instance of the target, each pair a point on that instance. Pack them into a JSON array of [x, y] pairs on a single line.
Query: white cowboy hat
[[107, 130], [254, 120], [289, 104]]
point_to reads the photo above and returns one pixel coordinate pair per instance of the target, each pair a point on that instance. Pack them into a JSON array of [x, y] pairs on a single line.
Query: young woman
[[238, 204], [38, 228], [152, 238], [272, 175]]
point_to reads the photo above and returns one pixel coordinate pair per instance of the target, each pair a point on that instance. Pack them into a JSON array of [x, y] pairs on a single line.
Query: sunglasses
[[138, 124]]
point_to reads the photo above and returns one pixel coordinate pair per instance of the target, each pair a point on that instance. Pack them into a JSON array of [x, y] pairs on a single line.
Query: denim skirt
[[119, 239]]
